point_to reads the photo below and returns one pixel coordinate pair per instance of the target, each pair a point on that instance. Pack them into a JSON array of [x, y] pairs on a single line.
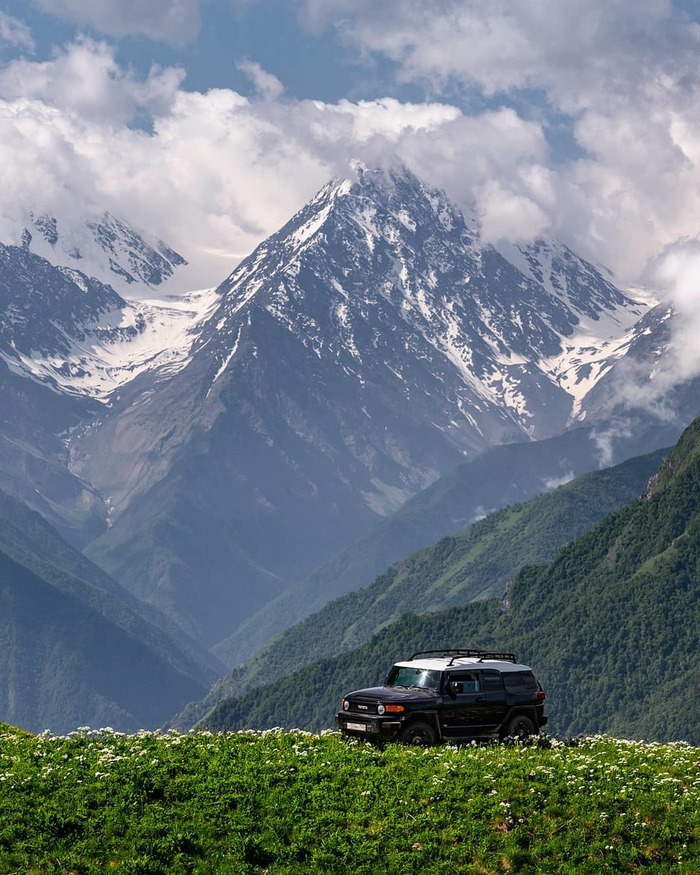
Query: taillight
[[541, 696]]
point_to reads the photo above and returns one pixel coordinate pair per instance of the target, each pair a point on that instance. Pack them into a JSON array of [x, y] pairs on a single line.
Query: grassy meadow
[[275, 802]]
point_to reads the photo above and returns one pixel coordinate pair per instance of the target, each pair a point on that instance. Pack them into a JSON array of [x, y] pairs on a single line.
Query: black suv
[[447, 695]]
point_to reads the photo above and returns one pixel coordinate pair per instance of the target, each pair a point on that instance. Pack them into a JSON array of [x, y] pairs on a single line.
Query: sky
[[208, 123]]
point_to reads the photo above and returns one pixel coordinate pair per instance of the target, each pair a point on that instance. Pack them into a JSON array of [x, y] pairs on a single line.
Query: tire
[[519, 726], [418, 733]]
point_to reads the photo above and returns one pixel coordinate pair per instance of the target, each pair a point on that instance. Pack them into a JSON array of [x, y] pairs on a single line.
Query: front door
[[464, 704]]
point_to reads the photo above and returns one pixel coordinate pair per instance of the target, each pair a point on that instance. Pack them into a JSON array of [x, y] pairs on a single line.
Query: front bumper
[[362, 726]]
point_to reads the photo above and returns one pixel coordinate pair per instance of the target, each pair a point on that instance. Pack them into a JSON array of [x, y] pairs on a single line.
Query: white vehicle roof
[[442, 662]]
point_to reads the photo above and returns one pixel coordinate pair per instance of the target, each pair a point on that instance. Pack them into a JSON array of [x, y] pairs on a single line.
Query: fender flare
[[430, 717], [528, 711]]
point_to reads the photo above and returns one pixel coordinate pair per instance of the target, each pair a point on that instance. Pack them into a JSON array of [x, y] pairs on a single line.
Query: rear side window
[[491, 680], [520, 682]]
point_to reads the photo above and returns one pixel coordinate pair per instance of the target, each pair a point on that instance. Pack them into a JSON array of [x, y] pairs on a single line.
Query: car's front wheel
[[418, 733], [519, 726]]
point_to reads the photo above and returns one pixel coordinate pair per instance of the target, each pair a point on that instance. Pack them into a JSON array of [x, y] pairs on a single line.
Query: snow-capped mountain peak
[[106, 247], [381, 259], [357, 354], [379, 274]]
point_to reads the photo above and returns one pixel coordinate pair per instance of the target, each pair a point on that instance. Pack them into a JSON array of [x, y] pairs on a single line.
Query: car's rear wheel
[[519, 726], [418, 733]]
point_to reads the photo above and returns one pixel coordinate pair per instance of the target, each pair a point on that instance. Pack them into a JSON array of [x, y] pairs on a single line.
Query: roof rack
[[458, 653]]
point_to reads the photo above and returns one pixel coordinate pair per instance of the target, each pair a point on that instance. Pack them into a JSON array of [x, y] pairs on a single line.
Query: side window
[[520, 682], [491, 681], [468, 680]]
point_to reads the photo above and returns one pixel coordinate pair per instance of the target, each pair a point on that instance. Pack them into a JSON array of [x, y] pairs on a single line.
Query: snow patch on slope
[[594, 348], [123, 344]]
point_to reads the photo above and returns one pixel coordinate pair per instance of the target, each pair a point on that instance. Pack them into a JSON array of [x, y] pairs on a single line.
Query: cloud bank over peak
[[213, 171]]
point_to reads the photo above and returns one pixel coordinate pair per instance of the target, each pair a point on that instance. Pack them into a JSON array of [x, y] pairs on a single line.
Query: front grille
[[362, 706]]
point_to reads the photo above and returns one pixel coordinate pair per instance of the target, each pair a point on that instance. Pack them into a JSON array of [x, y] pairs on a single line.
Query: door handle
[[480, 699]]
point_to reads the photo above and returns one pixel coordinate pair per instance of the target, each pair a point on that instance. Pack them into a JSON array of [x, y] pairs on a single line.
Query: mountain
[[104, 246], [358, 354], [657, 373], [77, 648], [473, 564], [69, 331], [67, 342], [496, 478], [611, 627]]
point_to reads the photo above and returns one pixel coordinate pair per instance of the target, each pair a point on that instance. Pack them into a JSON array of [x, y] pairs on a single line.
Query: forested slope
[[76, 648], [611, 627], [501, 476], [476, 563]]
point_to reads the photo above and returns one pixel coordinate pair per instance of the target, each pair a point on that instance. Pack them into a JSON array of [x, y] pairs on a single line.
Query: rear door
[[496, 702]]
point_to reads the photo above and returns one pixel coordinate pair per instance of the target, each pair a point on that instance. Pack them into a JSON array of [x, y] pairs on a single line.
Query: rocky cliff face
[[104, 246], [218, 446], [361, 351]]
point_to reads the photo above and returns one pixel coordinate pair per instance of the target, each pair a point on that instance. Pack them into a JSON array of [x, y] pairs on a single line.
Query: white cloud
[[85, 79], [218, 172], [169, 21], [624, 74], [265, 83], [508, 216], [678, 274], [604, 438], [14, 32], [570, 48], [556, 482]]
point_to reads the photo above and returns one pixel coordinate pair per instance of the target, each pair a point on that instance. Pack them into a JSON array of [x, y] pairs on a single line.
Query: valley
[[371, 379]]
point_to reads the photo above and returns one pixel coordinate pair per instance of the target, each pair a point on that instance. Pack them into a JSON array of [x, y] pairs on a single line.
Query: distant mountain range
[[497, 478], [472, 564], [216, 453], [358, 354]]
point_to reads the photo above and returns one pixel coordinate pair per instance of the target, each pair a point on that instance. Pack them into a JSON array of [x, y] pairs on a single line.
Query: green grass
[[278, 802]]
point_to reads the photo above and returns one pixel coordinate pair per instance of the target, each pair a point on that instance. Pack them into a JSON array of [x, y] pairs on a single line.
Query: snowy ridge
[[104, 246], [377, 271], [120, 345], [519, 328]]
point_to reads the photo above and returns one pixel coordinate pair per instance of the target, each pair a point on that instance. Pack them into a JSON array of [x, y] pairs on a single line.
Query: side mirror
[[456, 687]]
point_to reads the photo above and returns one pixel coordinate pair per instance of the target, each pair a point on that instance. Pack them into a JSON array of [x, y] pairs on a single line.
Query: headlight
[[346, 704], [380, 709]]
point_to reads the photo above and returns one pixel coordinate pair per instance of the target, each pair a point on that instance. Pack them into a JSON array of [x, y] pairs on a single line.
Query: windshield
[[401, 676]]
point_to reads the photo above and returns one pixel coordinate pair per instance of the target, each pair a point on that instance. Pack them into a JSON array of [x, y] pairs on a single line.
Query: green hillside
[[76, 648], [284, 804], [499, 477], [30, 540], [612, 627], [473, 564]]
